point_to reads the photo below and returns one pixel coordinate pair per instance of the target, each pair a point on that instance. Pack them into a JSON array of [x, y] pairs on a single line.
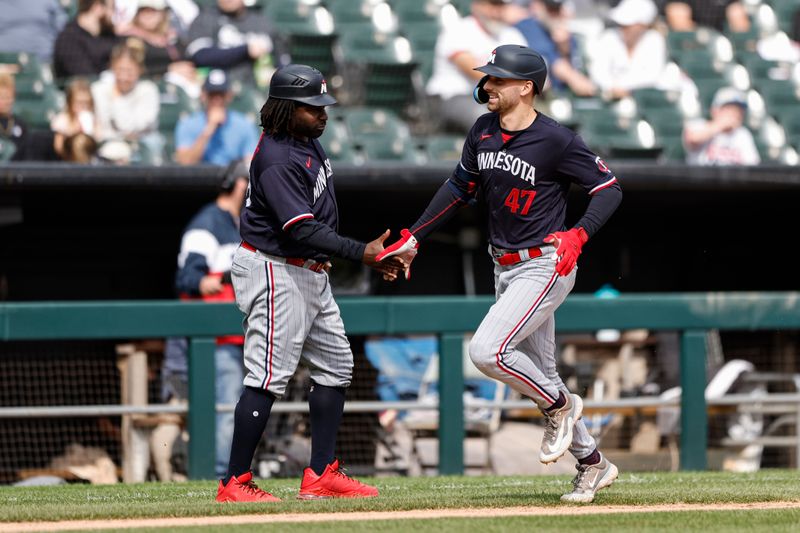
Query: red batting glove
[[568, 248], [406, 247]]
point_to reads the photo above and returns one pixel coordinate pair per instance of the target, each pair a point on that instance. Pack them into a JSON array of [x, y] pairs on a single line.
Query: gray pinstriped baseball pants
[[515, 342], [290, 316]]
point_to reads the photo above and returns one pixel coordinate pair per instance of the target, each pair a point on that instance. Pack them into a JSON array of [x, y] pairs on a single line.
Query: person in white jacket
[[631, 55]]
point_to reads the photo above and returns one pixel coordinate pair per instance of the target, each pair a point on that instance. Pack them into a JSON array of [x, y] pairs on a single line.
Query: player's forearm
[[442, 207], [601, 207], [323, 238]]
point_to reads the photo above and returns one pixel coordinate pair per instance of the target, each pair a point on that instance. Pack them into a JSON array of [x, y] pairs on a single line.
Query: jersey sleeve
[[286, 194], [582, 166]]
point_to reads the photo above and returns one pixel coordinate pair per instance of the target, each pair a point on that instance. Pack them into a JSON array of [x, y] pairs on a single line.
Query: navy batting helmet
[[300, 83], [515, 62]]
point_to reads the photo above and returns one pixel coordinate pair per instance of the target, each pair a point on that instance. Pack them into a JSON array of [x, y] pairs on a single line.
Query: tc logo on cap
[[323, 87]]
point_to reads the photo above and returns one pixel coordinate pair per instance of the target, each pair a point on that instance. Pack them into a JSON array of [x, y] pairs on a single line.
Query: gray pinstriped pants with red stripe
[[290, 316], [515, 342]]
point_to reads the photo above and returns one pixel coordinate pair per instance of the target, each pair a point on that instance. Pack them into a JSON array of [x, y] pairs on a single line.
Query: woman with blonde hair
[[78, 115]]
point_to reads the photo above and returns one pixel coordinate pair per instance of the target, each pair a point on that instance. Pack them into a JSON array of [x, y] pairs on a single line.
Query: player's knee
[[482, 355]]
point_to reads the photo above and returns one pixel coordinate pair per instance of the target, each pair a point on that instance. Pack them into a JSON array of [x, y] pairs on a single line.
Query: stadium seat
[[384, 149], [706, 89], [649, 99], [784, 13], [36, 113], [380, 69], [418, 10], [248, 100], [443, 147], [337, 143], [618, 137], [168, 116], [373, 122], [780, 96], [7, 149]]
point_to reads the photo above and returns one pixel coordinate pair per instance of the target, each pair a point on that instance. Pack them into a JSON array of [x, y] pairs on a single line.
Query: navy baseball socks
[[250, 420], [324, 478]]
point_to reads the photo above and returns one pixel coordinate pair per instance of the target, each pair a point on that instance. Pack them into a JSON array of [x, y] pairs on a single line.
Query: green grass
[[196, 499]]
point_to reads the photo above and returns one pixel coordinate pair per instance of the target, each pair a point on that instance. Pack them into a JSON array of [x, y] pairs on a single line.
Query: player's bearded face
[[504, 94], [308, 121]]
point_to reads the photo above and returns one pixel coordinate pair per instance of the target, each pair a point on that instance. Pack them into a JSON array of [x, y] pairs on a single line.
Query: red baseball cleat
[[243, 489], [333, 483]]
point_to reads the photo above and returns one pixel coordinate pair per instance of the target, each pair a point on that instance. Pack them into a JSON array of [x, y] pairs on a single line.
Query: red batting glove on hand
[[406, 247], [568, 248]]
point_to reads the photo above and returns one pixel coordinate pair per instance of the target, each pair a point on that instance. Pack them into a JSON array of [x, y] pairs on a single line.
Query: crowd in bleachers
[[708, 82]]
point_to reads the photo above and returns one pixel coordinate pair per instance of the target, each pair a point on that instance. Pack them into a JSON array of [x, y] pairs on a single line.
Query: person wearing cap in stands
[[204, 273], [723, 140], [289, 230], [631, 55], [216, 134]]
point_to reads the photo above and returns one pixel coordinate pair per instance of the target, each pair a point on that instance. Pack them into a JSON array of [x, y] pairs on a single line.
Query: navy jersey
[[525, 180], [290, 181]]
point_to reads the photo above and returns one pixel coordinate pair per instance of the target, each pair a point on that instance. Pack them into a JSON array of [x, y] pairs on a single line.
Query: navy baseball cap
[[300, 83], [517, 62], [216, 82]]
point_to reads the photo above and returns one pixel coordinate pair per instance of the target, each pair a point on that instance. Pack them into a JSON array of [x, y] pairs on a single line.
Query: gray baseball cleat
[[558, 429], [589, 480]]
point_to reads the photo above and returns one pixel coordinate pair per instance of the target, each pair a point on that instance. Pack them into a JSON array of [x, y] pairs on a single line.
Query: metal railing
[[449, 317]]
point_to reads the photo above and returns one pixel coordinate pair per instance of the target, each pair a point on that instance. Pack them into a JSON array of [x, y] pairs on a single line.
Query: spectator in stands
[[545, 25], [182, 13], [127, 106], [31, 26], [152, 25], [77, 117], [84, 45], [204, 265], [723, 140], [231, 37], [79, 148], [217, 134], [11, 126], [630, 56], [462, 46], [686, 15]]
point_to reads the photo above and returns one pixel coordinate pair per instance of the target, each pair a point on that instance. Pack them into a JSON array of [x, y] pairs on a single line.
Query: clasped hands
[[394, 259]]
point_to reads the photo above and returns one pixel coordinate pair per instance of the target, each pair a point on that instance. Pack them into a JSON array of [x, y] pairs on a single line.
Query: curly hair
[[276, 115]]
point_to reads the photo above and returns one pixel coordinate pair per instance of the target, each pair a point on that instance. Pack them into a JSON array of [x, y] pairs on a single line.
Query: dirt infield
[[84, 525]]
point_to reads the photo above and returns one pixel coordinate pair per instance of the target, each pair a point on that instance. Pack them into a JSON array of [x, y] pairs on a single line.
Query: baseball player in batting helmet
[[288, 228], [523, 163]]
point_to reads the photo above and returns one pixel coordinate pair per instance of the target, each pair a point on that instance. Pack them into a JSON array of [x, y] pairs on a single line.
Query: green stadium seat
[[384, 68], [647, 99], [784, 13], [700, 64], [7, 149], [36, 113], [681, 42], [168, 116], [707, 88], [443, 147], [249, 101], [373, 122], [337, 143], [173, 94], [617, 137], [312, 48], [418, 10], [383, 149], [780, 96]]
